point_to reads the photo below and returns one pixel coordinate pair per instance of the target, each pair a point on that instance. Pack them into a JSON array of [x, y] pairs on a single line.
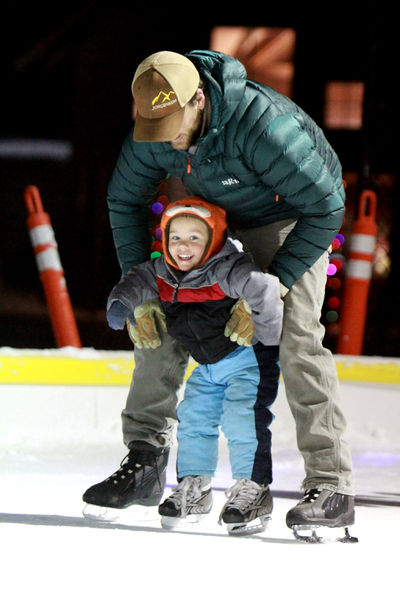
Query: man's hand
[[240, 327], [149, 318], [117, 314]]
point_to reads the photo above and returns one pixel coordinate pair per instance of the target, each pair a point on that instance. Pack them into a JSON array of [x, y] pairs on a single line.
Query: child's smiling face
[[187, 241]]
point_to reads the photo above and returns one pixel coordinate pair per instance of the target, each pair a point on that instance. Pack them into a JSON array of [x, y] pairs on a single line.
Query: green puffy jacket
[[262, 159]]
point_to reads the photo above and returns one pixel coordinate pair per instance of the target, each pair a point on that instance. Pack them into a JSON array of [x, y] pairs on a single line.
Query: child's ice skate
[[248, 509], [189, 501]]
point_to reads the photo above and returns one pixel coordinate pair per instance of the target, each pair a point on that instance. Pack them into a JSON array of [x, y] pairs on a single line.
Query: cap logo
[[165, 101]]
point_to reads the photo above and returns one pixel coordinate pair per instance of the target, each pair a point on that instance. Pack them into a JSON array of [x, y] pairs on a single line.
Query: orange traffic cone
[[50, 270], [358, 276]]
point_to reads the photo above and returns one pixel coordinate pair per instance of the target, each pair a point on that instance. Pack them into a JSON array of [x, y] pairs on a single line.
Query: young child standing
[[198, 280]]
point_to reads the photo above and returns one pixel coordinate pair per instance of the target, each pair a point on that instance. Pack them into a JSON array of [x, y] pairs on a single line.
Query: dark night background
[[66, 74]]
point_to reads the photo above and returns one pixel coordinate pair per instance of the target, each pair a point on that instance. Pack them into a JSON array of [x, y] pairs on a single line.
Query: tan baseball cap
[[162, 85]]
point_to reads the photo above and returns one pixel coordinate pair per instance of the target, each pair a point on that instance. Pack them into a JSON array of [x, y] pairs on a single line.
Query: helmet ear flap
[[164, 242]]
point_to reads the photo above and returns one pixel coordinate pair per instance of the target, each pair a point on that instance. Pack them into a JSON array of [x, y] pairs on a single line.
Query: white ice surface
[[56, 441]]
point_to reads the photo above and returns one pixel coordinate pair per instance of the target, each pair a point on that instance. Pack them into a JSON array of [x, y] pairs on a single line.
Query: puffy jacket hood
[[213, 216]]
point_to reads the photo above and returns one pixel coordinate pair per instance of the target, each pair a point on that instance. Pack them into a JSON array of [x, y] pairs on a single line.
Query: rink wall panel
[[70, 396]]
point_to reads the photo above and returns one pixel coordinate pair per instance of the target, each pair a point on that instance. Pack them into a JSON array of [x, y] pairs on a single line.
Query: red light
[[333, 302], [338, 263], [156, 246], [334, 283]]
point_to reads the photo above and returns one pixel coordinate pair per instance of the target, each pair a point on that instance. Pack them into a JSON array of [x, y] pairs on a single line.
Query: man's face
[[190, 125]]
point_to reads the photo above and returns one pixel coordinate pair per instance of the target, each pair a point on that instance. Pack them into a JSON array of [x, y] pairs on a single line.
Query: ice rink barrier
[[87, 366]]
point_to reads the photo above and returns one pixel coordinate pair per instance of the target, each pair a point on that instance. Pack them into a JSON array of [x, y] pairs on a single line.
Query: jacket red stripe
[[211, 292]]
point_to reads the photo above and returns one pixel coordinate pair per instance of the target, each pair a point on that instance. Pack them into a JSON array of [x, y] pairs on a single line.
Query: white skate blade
[[252, 527], [181, 522], [308, 534], [131, 514]]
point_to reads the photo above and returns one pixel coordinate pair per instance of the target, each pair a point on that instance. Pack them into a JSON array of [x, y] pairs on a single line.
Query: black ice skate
[[321, 508], [140, 480], [189, 501], [248, 509]]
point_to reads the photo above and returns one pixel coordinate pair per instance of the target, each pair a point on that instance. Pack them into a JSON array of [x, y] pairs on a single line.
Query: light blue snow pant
[[308, 370], [235, 393]]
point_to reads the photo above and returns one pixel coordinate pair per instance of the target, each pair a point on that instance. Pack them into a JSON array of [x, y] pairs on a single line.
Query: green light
[[332, 316]]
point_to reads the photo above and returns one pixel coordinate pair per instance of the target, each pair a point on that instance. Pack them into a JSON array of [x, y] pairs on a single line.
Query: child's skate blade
[[250, 528], [177, 522]]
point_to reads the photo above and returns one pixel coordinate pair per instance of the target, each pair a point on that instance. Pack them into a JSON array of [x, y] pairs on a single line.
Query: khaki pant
[[308, 370]]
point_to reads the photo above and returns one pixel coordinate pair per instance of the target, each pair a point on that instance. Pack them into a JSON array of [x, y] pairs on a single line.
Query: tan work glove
[[149, 318], [240, 327]]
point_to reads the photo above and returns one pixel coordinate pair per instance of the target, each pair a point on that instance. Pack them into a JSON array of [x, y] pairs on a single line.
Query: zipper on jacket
[[188, 324], [189, 166], [175, 286], [197, 338]]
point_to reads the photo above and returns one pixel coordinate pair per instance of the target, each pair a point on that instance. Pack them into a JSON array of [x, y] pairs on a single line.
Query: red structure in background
[[358, 276], [50, 270]]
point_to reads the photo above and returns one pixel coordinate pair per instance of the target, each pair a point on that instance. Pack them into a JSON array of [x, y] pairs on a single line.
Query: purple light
[[157, 208], [340, 237], [158, 233]]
